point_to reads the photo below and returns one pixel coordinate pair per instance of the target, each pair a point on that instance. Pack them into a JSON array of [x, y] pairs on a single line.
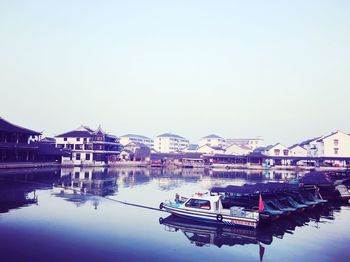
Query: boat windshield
[[198, 203]]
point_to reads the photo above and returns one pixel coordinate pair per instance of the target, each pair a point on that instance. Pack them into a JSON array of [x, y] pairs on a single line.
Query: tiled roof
[[170, 135], [213, 136], [9, 127], [76, 133], [137, 136]]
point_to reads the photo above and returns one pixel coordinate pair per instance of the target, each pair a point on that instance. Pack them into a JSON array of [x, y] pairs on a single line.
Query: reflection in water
[[18, 188], [204, 234], [81, 185]]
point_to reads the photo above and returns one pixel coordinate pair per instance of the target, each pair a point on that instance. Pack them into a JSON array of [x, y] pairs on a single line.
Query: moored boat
[[209, 208]]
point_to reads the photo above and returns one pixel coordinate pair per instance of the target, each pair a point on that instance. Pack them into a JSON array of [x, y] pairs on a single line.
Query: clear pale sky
[[279, 69]]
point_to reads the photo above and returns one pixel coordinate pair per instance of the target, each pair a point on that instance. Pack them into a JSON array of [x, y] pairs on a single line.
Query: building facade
[[17, 144], [297, 150], [131, 138], [89, 147], [239, 150], [253, 143], [210, 150], [336, 144], [213, 141], [170, 143], [276, 150]]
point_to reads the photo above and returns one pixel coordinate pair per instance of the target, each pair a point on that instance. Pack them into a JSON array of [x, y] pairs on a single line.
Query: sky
[[276, 69]]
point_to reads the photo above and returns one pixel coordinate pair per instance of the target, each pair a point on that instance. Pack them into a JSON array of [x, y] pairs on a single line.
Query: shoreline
[[214, 167]]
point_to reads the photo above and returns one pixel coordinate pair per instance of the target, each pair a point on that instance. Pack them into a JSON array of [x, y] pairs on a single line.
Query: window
[[277, 152], [76, 174], [87, 157], [336, 150], [78, 138], [77, 156], [65, 139], [336, 142], [85, 139], [86, 175], [285, 152], [60, 146], [198, 203], [78, 147]]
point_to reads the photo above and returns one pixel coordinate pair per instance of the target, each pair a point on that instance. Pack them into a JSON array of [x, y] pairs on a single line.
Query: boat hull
[[212, 217]]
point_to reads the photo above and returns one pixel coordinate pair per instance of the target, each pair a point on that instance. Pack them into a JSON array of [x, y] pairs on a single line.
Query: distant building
[[253, 143], [168, 143], [17, 144], [89, 147], [192, 148], [297, 150], [131, 138], [336, 144], [276, 150], [210, 150], [239, 150], [213, 141]]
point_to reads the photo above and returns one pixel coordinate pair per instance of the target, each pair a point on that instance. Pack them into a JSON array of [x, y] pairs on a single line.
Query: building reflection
[[81, 185], [18, 188]]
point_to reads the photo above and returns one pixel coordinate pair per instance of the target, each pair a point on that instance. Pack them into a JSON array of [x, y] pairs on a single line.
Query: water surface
[[39, 221]]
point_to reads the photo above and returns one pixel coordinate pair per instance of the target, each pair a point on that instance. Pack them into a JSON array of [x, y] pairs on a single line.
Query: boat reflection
[[204, 234]]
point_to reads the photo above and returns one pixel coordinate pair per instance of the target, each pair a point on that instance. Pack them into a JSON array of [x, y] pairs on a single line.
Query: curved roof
[[170, 135], [138, 136], [9, 127], [213, 136]]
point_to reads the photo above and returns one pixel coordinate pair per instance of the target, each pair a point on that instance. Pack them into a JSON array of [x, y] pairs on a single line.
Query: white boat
[[208, 208]]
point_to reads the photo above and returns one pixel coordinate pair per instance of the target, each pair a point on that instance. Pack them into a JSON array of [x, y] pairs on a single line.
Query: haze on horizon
[[234, 68]]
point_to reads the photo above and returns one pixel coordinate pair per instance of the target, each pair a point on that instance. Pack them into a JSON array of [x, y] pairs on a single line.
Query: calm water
[[39, 221]]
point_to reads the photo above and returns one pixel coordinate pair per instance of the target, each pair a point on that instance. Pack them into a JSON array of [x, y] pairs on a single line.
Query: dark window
[[285, 152], [86, 174], [76, 174], [77, 157], [85, 139], [60, 145], [87, 157], [78, 138], [198, 203], [65, 139], [78, 147]]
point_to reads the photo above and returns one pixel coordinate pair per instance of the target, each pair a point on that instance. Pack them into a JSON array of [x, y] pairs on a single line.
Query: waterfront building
[[131, 138], [192, 148], [89, 147], [297, 150], [169, 143], [210, 150], [253, 143], [212, 141], [239, 150], [17, 144], [336, 144], [276, 150]]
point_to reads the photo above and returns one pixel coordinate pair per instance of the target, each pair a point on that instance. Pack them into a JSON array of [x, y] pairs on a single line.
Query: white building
[[336, 144], [253, 143], [239, 150], [213, 141], [276, 150], [130, 138], [297, 150], [210, 150], [167, 143], [89, 147]]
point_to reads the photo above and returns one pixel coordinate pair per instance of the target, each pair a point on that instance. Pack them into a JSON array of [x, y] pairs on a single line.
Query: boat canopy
[[256, 188]]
